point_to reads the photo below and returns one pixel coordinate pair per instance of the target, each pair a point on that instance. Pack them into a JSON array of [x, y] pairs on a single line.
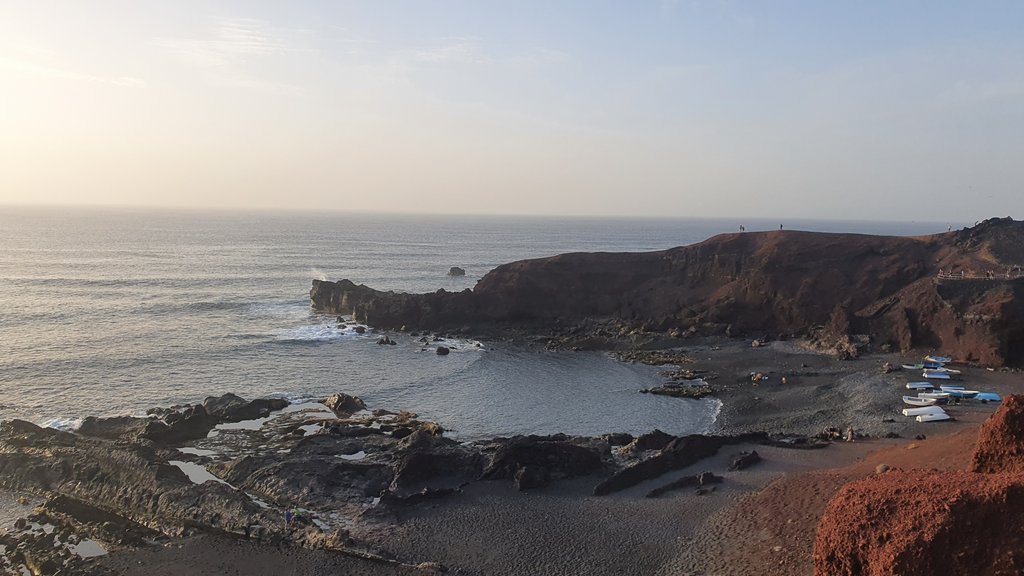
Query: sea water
[[112, 311]]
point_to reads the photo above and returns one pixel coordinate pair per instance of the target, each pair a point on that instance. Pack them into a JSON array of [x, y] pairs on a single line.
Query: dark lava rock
[[679, 453], [558, 456], [653, 440], [344, 405], [701, 480], [443, 350], [232, 408], [744, 460], [529, 477], [456, 271], [679, 390]]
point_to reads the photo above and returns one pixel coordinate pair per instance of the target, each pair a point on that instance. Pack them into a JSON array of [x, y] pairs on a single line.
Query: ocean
[[112, 311]]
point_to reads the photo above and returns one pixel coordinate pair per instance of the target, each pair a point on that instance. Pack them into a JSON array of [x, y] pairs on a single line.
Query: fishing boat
[[988, 397], [939, 397], [919, 401], [920, 386], [931, 365], [950, 387], [939, 359], [962, 393], [924, 410], [933, 417], [913, 366], [948, 370], [936, 375]]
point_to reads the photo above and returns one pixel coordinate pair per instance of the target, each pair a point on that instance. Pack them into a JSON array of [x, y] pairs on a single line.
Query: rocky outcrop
[[783, 282], [1000, 445], [939, 523]]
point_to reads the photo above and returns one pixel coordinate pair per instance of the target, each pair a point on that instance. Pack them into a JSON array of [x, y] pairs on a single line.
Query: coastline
[[487, 526]]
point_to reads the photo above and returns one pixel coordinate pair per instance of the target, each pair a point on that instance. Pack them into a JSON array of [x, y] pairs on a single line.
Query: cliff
[[903, 291]]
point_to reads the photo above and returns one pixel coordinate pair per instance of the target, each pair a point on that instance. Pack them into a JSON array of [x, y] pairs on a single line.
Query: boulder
[[456, 271], [233, 408], [548, 457], [443, 350], [344, 405], [744, 460]]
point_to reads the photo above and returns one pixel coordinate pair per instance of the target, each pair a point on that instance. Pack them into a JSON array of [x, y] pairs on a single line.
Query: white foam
[[198, 451], [65, 424], [196, 473], [357, 456], [88, 549], [313, 409], [323, 332]]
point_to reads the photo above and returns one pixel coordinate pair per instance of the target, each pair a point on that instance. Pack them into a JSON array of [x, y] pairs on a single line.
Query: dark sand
[[759, 521]]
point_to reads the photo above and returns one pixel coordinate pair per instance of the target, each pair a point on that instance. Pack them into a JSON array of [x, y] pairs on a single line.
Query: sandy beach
[[760, 520]]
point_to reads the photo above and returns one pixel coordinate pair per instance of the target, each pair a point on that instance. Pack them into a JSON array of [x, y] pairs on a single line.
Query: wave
[[322, 333], [65, 424]]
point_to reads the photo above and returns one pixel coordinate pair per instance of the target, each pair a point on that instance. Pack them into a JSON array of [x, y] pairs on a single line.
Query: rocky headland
[[960, 292]]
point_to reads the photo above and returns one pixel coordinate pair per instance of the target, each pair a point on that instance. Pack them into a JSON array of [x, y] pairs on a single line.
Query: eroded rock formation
[[783, 282], [938, 523]]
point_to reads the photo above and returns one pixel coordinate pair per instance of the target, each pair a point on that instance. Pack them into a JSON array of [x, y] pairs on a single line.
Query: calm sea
[[112, 311]]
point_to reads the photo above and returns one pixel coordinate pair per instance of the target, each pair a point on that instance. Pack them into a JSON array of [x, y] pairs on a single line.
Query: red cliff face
[[781, 282], [936, 523]]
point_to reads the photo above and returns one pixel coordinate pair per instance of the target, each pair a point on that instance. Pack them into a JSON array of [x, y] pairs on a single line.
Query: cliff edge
[[960, 292]]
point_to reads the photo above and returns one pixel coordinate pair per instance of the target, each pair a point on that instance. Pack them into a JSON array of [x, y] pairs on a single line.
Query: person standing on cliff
[[849, 434]]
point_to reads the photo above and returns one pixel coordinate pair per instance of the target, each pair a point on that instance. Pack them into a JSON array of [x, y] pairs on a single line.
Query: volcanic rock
[[1000, 446], [887, 289], [344, 405]]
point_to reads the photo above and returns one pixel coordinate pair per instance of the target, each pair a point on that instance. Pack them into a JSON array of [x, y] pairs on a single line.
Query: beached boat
[[939, 359], [950, 387], [988, 397], [920, 386], [925, 410], [962, 393], [919, 401], [936, 375], [951, 371], [933, 417], [913, 366], [939, 397], [931, 365]]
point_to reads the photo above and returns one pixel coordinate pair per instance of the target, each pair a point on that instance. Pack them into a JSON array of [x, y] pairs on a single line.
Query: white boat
[[948, 370], [935, 374], [933, 417], [925, 410], [939, 359], [939, 397], [951, 387], [920, 386], [918, 401]]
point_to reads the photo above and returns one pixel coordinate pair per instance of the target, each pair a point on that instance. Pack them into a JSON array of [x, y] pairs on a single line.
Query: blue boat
[[931, 365], [988, 397], [938, 359]]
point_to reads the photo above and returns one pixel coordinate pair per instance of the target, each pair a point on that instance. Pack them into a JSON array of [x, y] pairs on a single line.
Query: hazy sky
[[890, 109]]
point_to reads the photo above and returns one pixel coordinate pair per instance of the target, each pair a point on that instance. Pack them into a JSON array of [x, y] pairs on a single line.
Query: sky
[[889, 110]]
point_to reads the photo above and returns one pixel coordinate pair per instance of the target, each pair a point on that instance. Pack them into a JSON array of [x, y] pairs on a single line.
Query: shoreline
[[459, 528]]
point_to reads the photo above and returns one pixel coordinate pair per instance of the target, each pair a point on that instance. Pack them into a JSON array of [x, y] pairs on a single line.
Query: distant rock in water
[[456, 271], [903, 292]]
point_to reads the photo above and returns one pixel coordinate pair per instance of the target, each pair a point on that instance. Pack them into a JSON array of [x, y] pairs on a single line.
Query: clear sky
[[817, 109]]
